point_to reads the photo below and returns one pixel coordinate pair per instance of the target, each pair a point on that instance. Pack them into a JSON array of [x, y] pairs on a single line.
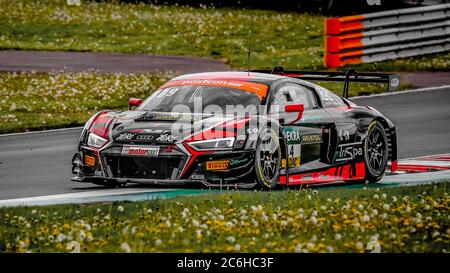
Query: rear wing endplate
[[351, 75]]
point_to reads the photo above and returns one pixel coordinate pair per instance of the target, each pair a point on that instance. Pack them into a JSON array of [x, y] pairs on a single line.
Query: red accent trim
[[300, 108], [194, 155], [100, 124], [394, 166], [353, 171]]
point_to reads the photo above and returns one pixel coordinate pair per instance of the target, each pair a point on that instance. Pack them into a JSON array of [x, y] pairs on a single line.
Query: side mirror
[[134, 102], [299, 108]]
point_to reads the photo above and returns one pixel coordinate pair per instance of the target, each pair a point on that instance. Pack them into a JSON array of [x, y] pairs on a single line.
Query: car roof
[[232, 75]]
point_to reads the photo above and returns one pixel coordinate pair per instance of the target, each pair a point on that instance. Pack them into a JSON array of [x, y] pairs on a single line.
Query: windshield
[[197, 99]]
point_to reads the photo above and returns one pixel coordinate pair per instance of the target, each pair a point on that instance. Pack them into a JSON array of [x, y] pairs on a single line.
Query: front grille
[[143, 167]]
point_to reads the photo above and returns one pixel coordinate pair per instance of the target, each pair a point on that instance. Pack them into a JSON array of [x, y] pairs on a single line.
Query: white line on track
[[41, 132], [77, 195], [427, 89]]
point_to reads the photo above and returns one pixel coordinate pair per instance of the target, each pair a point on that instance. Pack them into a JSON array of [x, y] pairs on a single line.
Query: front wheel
[[267, 159], [375, 152]]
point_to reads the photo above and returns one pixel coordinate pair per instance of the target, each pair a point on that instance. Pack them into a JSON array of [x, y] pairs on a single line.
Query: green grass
[[37, 101], [292, 40], [32, 101], [404, 219]]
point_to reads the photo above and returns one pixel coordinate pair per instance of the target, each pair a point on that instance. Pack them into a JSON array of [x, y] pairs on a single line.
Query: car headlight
[[95, 141], [213, 144]]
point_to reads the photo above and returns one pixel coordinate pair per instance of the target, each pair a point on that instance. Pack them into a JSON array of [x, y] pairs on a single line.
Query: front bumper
[[174, 166]]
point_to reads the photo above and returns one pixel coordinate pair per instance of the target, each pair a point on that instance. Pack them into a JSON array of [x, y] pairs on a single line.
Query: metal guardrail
[[387, 35]]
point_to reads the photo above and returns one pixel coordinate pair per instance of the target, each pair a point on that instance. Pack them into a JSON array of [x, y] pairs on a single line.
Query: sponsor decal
[[293, 162], [293, 136], [311, 138], [125, 136], [140, 151], [144, 137], [349, 151], [234, 162], [217, 165], [167, 138], [154, 131], [89, 160], [344, 135]]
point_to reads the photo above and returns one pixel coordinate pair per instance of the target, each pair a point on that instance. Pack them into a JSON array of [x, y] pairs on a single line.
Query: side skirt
[[352, 171]]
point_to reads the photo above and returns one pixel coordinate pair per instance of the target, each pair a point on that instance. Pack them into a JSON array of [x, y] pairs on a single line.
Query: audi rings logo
[[144, 137]]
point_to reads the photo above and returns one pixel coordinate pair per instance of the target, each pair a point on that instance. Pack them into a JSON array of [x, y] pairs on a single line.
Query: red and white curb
[[431, 163]]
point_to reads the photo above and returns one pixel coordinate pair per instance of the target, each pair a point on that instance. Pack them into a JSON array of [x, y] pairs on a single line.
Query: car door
[[307, 139], [345, 144]]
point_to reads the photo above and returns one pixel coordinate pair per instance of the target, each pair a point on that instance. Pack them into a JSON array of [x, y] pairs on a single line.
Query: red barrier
[[336, 26]]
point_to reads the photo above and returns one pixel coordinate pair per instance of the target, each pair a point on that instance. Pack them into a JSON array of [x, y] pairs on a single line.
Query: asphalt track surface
[[38, 163], [44, 61]]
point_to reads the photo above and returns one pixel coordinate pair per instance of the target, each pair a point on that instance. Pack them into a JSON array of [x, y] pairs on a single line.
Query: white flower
[[412, 230], [22, 244], [27, 225], [243, 212], [237, 247], [230, 202], [385, 206], [359, 245], [310, 246], [99, 210], [394, 199], [418, 215], [376, 197], [298, 248], [149, 211], [427, 207], [323, 207], [435, 234], [158, 242], [81, 235], [283, 223], [60, 238], [33, 211], [393, 236], [87, 227], [168, 224], [330, 249], [315, 191], [120, 209], [374, 212], [366, 218], [73, 247], [314, 213], [374, 247], [180, 229], [338, 236], [384, 196], [313, 220], [186, 210], [125, 247], [231, 239]]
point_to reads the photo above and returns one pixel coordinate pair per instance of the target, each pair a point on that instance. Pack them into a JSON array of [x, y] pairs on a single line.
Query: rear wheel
[[267, 159], [375, 152]]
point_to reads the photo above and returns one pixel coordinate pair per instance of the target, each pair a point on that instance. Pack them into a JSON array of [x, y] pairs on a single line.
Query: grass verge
[[38, 101], [403, 219], [292, 40]]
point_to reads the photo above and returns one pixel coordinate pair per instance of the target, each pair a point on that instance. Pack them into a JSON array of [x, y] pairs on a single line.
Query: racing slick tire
[[375, 152], [267, 159]]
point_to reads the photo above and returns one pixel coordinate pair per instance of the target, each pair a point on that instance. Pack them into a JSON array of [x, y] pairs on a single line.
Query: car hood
[[136, 127]]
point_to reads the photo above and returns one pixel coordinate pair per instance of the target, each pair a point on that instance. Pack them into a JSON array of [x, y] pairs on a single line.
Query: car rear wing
[[351, 75]]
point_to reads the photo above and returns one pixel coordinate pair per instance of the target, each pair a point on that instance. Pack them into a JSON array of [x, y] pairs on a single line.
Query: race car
[[260, 128]]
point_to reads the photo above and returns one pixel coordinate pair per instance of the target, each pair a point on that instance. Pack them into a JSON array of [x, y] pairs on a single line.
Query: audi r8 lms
[[240, 129]]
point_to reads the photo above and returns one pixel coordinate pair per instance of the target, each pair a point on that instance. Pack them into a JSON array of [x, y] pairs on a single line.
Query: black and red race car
[[240, 129]]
